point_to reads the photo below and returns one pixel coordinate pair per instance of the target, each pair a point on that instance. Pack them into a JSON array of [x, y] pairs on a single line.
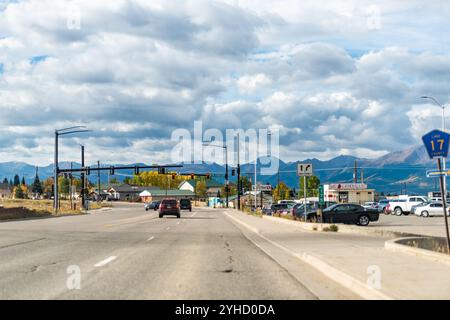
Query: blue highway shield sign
[[436, 142]]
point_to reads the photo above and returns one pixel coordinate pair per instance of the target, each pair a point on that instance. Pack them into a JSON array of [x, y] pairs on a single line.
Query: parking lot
[[432, 226]]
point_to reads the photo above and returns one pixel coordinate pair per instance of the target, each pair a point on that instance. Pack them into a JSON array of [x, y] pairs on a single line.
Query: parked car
[[287, 209], [430, 209], [347, 213], [299, 209], [274, 208], [382, 204], [169, 207], [154, 205], [404, 205], [370, 205], [185, 204]]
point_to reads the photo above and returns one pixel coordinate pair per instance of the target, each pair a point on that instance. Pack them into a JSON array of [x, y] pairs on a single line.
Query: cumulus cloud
[[334, 78]]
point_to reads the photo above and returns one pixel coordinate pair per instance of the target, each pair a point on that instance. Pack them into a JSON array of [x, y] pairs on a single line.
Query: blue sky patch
[[37, 59]]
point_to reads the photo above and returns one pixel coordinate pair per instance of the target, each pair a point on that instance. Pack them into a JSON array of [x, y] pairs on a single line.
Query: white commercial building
[[348, 193]]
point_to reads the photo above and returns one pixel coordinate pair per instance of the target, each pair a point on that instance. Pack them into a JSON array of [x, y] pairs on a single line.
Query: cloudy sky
[[335, 77]]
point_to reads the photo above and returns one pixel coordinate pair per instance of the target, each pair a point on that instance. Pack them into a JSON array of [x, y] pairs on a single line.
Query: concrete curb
[[393, 246], [343, 228], [345, 280]]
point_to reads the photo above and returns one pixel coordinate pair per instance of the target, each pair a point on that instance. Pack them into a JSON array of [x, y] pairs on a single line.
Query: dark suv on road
[[169, 207], [185, 204]]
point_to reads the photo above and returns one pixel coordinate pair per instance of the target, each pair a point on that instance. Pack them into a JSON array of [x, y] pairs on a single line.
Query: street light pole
[[226, 166], [61, 132]]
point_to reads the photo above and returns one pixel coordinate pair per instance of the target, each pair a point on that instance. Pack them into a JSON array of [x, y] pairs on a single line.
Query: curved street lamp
[[58, 133]]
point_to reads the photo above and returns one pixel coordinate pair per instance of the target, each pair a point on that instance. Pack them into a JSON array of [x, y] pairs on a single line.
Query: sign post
[[305, 170], [437, 143]]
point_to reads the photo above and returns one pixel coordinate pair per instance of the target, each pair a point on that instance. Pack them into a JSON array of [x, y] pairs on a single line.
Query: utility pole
[[355, 174], [256, 164], [238, 175], [362, 175], [227, 186], [98, 181], [71, 183], [83, 180], [55, 175]]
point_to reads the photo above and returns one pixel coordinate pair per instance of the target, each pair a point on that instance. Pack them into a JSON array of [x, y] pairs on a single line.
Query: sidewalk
[[354, 260]]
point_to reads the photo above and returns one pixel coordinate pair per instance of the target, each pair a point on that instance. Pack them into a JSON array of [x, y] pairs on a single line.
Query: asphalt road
[[127, 253]]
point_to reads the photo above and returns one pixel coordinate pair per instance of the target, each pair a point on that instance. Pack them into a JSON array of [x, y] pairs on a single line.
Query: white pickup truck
[[404, 204]]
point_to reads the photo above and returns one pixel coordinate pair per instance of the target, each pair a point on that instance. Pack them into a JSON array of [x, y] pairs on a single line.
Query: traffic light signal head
[[174, 176], [233, 172], [192, 176]]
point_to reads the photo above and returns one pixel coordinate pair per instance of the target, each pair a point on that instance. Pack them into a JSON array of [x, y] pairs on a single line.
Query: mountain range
[[395, 172]]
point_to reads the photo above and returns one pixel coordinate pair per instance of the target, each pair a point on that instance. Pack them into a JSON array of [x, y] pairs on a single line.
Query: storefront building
[[348, 193]]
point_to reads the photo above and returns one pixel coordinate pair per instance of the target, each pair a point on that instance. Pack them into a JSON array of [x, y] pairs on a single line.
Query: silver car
[[430, 209]]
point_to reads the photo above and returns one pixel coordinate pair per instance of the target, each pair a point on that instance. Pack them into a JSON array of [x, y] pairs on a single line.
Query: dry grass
[[20, 209]]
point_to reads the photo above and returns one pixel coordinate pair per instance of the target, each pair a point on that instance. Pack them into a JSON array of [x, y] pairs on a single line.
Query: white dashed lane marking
[[105, 262]]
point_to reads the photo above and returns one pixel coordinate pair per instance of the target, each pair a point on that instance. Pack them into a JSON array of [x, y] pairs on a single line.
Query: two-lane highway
[[128, 253]]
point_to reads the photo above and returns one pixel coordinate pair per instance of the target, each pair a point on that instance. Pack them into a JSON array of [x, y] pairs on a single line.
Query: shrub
[[332, 228]]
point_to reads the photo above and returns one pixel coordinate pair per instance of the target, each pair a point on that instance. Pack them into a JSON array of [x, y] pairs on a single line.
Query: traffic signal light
[[233, 172], [174, 176], [192, 176]]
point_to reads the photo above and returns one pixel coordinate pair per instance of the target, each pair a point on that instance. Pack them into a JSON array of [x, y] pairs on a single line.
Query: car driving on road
[[154, 205], [169, 207], [185, 204], [347, 213]]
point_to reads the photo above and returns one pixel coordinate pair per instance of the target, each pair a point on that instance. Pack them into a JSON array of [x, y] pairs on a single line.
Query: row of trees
[[38, 188]]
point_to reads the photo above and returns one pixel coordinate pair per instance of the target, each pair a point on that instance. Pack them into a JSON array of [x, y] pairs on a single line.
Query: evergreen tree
[[16, 180], [23, 181], [11, 184], [36, 188], [18, 193], [5, 181]]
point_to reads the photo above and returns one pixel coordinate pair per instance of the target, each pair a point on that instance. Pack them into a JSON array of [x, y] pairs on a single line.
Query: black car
[[299, 209], [347, 213], [185, 204], [152, 205]]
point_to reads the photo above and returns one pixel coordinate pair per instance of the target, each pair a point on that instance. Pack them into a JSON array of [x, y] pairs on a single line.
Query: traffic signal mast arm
[[135, 168]]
